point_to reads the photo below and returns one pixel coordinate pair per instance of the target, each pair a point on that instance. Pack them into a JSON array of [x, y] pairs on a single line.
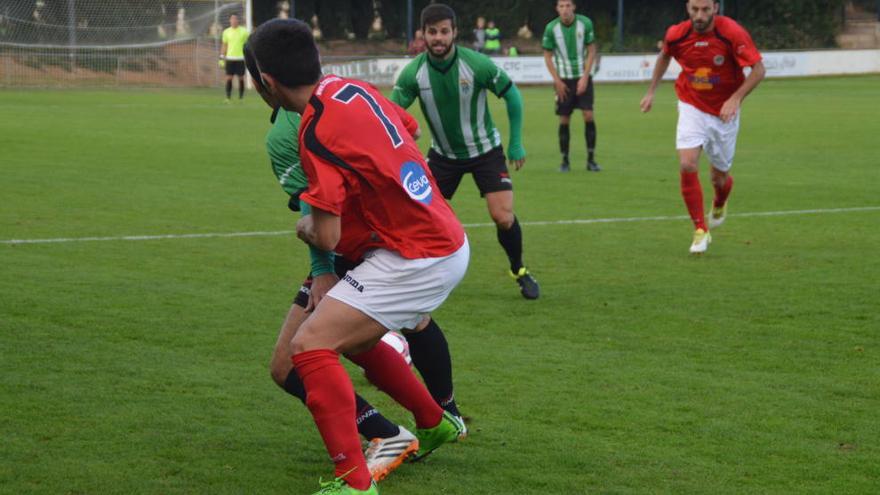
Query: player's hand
[[647, 103], [561, 89], [321, 285], [305, 229], [582, 85], [516, 156], [221, 63], [730, 109], [416, 135]]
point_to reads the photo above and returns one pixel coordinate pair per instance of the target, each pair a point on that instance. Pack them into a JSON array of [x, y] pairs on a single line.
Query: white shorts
[[398, 292], [698, 129]]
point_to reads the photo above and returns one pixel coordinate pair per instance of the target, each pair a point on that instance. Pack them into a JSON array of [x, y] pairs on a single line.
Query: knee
[[688, 165], [588, 116], [564, 120], [279, 371], [503, 219]]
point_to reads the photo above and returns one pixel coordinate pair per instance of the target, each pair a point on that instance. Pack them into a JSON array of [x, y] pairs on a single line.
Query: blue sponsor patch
[[416, 183]]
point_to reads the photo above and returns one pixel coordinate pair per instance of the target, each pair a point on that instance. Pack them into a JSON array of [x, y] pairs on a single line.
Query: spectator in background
[[493, 39], [480, 34], [513, 51], [417, 45]]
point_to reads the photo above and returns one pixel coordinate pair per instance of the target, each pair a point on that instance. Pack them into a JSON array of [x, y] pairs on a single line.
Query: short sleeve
[[667, 46], [589, 32], [493, 77], [225, 38], [549, 41], [326, 183], [744, 48]]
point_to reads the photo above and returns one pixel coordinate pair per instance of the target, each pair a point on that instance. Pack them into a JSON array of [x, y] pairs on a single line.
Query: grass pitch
[[141, 366]]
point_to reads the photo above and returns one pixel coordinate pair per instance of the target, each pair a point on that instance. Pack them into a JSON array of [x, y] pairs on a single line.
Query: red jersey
[[363, 166], [711, 63]]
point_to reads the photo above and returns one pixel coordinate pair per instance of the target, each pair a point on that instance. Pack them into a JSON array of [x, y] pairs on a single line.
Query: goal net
[[66, 43]]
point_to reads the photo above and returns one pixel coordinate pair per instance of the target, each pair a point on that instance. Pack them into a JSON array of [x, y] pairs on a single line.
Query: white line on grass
[[468, 225]]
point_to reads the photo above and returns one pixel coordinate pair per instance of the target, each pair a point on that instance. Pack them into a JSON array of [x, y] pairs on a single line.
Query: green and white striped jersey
[[567, 44], [452, 94]]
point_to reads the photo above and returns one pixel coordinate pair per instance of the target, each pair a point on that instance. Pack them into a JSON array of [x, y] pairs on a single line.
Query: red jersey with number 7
[[363, 166], [711, 63]]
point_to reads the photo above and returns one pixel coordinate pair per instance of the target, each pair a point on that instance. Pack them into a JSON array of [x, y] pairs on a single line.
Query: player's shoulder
[[679, 31], [413, 66], [726, 26], [586, 21]]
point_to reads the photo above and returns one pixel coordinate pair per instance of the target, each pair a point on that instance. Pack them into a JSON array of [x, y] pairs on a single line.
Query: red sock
[[721, 193], [330, 398], [692, 192], [387, 370]]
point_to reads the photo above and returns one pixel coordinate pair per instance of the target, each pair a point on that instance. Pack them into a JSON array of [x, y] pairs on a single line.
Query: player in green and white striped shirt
[[451, 83], [569, 52]]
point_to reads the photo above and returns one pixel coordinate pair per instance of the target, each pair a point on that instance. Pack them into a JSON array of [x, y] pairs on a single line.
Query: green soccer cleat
[[340, 487], [430, 439], [718, 215]]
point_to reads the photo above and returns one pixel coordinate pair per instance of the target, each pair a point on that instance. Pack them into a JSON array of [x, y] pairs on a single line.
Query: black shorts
[[235, 67], [340, 265], [574, 100], [489, 171]]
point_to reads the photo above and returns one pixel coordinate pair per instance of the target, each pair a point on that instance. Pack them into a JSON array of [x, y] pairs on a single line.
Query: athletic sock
[[330, 399], [590, 136], [692, 192], [228, 89], [370, 422], [511, 241], [240, 88], [386, 369], [723, 192], [430, 355], [564, 138]]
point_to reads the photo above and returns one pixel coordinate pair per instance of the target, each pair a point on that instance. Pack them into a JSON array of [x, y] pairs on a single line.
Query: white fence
[[635, 68]]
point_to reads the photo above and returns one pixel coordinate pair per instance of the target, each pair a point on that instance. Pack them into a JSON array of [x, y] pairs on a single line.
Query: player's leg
[[720, 149], [241, 85], [691, 135], [585, 103], [430, 355], [370, 422], [564, 108], [493, 180], [446, 172], [228, 84]]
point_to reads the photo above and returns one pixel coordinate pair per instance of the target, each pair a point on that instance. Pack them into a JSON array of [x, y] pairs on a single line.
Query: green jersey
[[235, 39], [282, 143], [452, 94], [567, 44]]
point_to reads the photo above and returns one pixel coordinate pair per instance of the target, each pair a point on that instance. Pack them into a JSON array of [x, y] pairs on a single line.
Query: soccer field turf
[[141, 366]]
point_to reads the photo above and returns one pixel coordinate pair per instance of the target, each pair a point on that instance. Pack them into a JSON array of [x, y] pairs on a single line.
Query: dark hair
[[437, 12], [286, 50], [250, 62]]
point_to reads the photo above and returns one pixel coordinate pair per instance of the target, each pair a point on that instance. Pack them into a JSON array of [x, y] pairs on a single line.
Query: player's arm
[[516, 153], [558, 85], [588, 68], [731, 106], [321, 260], [406, 88], [320, 229], [660, 68]]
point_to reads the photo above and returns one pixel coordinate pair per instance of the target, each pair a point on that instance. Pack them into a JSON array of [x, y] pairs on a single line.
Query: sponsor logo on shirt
[[719, 60], [703, 79], [465, 86], [416, 182]]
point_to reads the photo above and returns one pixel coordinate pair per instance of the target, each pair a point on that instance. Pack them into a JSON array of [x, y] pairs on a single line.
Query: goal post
[[95, 43]]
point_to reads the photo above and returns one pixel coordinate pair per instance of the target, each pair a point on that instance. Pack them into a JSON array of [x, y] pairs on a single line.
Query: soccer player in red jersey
[[712, 50], [372, 199]]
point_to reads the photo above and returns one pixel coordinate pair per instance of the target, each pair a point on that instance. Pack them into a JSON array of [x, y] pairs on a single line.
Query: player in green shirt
[[232, 55], [565, 40], [451, 83], [388, 443]]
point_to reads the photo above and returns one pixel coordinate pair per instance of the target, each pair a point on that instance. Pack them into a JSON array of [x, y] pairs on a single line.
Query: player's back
[[353, 142]]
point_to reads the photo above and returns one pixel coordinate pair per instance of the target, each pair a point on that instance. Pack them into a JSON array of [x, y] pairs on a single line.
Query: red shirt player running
[[712, 50], [373, 199]]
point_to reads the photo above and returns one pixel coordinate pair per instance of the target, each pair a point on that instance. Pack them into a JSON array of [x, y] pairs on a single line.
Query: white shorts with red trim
[[698, 129], [398, 292]]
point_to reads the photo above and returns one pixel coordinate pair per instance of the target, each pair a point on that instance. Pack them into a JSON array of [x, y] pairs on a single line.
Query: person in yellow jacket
[[493, 39], [232, 55]]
